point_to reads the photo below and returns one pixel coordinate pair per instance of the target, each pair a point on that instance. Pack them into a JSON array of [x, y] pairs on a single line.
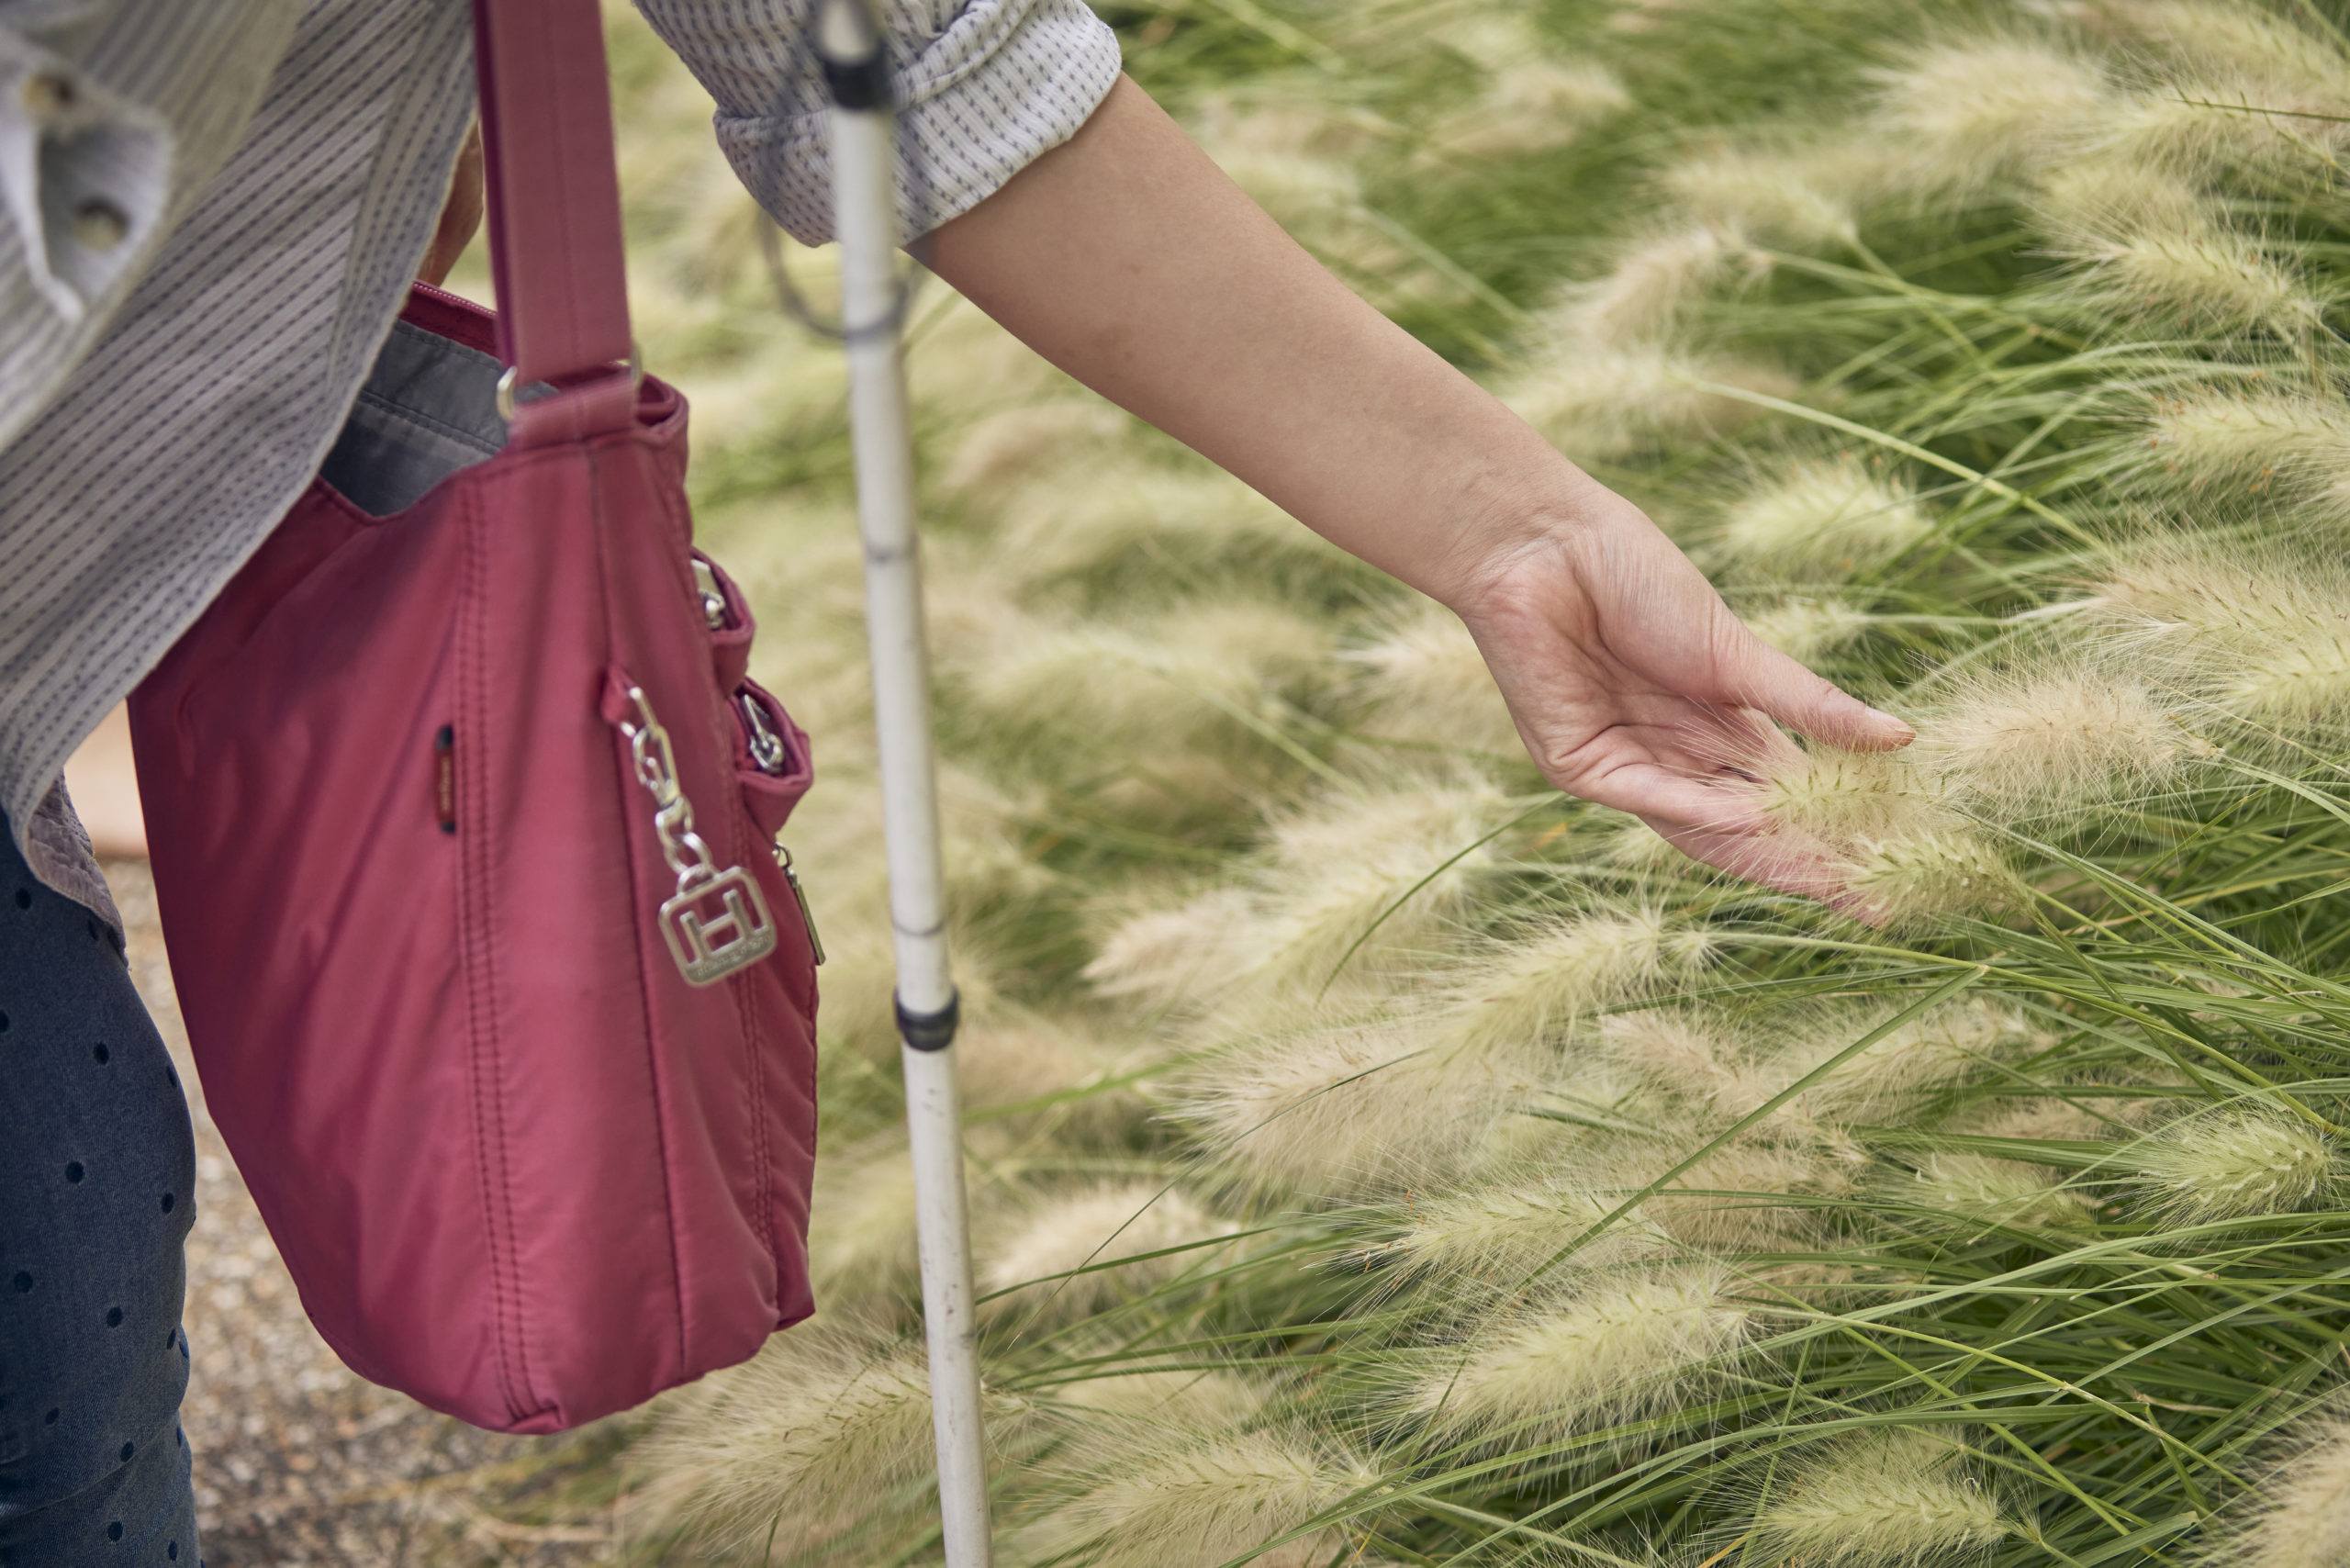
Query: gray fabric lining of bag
[[429, 408]]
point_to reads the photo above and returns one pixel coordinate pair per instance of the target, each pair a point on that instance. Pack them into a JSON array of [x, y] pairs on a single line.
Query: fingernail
[[1881, 714]]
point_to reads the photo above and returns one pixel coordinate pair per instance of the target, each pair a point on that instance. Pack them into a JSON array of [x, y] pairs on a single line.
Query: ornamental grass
[[1380, 1159]]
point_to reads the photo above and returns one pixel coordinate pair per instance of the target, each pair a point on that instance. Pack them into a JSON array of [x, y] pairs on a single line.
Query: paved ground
[[300, 1462]]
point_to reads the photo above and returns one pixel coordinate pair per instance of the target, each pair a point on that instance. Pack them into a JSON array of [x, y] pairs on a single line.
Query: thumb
[[1764, 679]]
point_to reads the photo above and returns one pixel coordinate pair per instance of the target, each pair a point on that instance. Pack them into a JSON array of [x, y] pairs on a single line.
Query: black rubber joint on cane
[[859, 85], [930, 1031]]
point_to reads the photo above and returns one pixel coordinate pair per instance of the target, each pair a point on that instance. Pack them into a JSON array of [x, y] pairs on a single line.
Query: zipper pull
[[769, 754], [714, 602], [799, 896]]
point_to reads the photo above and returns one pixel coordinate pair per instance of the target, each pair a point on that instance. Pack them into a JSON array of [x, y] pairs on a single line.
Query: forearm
[[1127, 258]]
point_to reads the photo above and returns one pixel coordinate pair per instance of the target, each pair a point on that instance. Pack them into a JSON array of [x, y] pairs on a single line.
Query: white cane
[[865, 208]]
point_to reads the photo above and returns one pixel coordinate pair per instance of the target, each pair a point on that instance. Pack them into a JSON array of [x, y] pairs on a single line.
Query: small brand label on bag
[[445, 778]]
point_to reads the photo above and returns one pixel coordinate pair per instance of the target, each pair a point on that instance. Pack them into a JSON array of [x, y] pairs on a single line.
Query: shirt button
[[47, 95], [100, 224]]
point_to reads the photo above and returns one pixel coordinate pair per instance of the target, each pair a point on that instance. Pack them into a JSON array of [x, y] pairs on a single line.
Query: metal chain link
[[708, 943], [672, 816]]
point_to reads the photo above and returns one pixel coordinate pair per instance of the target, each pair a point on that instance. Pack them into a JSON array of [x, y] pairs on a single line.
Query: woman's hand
[[1128, 258], [1634, 686]]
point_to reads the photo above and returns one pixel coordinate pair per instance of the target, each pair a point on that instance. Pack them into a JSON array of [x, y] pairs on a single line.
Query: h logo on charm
[[711, 943]]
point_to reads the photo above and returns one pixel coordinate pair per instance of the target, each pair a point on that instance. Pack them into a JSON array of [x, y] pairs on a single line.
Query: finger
[[1777, 861], [1783, 860], [1719, 802], [1706, 766], [1765, 678]]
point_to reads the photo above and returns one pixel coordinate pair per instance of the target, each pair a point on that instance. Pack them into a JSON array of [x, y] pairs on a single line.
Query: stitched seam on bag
[[647, 975], [472, 439], [526, 1399], [645, 967], [498, 1088], [645, 978], [471, 875], [747, 1006]]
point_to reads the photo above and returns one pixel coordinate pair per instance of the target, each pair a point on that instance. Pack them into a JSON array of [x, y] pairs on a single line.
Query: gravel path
[[298, 1460]]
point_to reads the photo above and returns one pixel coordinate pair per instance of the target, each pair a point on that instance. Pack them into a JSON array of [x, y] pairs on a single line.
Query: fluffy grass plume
[[1172, 684], [2299, 1514], [1595, 401], [1656, 281], [1522, 991], [2113, 191], [1497, 1232], [1945, 1047], [1092, 1230], [1530, 105], [1843, 796], [1154, 1401], [1195, 949], [795, 1446], [2259, 45], [1344, 1110], [1776, 198], [1286, 157], [1206, 1502], [2188, 269], [2026, 744], [1748, 1196], [2265, 636], [1618, 1346], [2262, 439], [1016, 444], [1131, 520], [1819, 520], [1016, 1060], [1425, 680], [1688, 1057], [2292, 77], [2229, 1164], [1637, 847], [1919, 879], [1974, 109], [1378, 870], [861, 1232], [1979, 1189], [1883, 1501], [1807, 629]]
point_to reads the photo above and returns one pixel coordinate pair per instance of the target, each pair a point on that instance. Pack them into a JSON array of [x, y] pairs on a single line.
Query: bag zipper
[[799, 897], [771, 757]]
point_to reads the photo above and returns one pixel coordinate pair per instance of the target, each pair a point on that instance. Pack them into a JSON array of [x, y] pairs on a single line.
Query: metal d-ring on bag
[[511, 1027]]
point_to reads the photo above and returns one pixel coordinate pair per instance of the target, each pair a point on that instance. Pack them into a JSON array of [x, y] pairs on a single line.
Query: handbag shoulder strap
[[553, 200]]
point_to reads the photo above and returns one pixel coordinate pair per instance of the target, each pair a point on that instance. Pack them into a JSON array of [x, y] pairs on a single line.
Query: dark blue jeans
[[97, 1168]]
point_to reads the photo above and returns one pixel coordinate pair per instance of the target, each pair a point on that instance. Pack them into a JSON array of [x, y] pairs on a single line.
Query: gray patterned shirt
[[209, 210]]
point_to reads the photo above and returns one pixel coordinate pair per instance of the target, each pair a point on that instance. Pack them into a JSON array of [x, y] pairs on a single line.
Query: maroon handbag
[[463, 813]]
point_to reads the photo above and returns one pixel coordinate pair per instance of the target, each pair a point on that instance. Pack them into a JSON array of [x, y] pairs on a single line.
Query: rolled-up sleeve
[[983, 88]]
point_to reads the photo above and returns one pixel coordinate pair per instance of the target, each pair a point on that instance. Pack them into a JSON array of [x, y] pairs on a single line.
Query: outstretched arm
[[1126, 257]]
